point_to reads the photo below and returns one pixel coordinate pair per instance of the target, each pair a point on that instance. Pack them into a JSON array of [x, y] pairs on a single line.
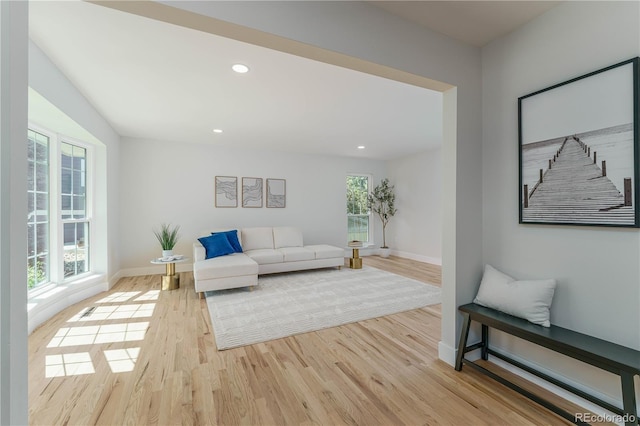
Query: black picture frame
[[578, 150]]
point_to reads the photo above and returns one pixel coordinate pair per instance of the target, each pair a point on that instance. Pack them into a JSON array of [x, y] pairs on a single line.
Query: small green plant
[[35, 275], [381, 201], [167, 236]]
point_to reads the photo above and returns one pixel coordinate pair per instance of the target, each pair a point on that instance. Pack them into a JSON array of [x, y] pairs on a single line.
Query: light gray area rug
[[298, 302]]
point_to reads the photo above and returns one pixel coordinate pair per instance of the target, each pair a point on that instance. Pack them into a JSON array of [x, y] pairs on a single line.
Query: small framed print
[[276, 193], [226, 191], [251, 192]]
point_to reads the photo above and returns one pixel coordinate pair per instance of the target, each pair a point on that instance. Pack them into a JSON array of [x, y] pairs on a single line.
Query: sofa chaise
[[265, 250]]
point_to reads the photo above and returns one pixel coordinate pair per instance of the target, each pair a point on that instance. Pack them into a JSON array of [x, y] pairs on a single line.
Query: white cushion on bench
[[529, 299]]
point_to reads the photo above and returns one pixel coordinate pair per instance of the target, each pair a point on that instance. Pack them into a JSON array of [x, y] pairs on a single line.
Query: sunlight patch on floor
[[138, 310], [90, 335], [119, 296], [68, 365], [122, 360], [125, 305], [150, 295]]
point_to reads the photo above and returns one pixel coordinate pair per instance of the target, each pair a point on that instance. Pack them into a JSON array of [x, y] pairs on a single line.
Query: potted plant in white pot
[[167, 237], [381, 201]]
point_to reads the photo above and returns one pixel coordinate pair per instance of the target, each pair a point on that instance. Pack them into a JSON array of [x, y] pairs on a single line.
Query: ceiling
[[472, 22], [158, 81]]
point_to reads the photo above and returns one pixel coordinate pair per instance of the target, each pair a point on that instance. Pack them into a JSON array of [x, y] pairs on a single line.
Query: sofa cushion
[[287, 236], [216, 245], [296, 254], [325, 251], [212, 231], [264, 256], [257, 238], [235, 264], [232, 236]]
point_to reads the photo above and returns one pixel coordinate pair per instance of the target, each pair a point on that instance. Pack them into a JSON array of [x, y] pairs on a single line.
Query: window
[[37, 209], [73, 163], [358, 214], [58, 213]]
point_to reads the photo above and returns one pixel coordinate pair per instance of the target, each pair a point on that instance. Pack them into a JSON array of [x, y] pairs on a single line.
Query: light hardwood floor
[[383, 371]]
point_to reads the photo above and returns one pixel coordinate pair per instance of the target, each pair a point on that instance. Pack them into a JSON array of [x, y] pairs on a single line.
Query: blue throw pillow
[[216, 245], [232, 236]]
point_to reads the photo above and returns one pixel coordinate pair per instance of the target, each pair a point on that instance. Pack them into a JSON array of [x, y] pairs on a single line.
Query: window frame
[[87, 202], [56, 223], [369, 177], [35, 222]]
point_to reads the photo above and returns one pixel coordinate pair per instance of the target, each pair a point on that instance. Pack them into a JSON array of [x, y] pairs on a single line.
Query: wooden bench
[[617, 359]]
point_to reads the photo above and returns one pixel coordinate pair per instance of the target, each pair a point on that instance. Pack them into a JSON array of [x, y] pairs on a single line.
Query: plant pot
[[167, 253], [384, 252]]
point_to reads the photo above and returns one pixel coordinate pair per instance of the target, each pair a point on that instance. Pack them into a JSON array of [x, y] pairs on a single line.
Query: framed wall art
[[251, 192], [276, 193], [226, 191], [579, 150]]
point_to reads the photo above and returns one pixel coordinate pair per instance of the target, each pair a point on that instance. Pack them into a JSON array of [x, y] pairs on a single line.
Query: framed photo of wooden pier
[[579, 150]]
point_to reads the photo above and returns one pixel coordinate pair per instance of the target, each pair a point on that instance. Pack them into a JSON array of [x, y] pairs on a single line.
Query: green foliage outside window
[[357, 191], [35, 275], [357, 208]]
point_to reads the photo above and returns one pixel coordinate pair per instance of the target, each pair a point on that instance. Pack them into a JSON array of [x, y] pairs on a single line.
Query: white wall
[[13, 213], [415, 231], [597, 268], [167, 182], [369, 35], [57, 105], [46, 79]]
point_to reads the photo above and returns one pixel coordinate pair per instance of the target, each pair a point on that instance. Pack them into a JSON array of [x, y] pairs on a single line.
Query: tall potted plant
[[167, 237], [382, 202]]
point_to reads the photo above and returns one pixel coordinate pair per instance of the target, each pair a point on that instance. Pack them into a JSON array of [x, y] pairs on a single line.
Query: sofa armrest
[[199, 252]]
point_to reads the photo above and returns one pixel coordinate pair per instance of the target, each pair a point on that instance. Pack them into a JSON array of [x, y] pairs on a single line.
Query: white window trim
[[89, 196], [369, 176], [56, 224]]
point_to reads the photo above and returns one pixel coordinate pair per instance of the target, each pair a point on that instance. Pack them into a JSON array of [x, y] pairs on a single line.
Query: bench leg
[[629, 398], [462, 344], [485, 342]]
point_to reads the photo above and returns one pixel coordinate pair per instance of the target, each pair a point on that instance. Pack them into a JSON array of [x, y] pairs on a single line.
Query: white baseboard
[[418, 257], [152, 270], [446, 353], [54, 299], [114, 279]]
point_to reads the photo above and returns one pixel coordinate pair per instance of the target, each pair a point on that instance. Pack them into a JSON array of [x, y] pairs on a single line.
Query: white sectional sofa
[[266, 250]]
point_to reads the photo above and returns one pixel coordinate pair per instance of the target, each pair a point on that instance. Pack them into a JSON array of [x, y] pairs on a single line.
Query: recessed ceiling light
[[217, 131], [361, 147], [240, 68]]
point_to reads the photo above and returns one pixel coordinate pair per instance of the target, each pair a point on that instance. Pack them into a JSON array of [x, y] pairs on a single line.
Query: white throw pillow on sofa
[[526, 299]]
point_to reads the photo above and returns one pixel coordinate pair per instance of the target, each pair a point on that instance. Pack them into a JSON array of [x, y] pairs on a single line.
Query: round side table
[[355, 261], [171, 280]]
